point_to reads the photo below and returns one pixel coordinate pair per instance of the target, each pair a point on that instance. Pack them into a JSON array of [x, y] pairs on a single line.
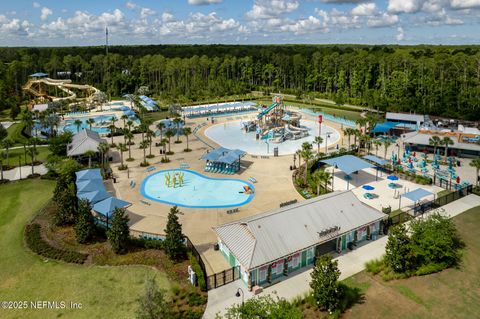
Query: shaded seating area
[[377, 161], [348, 164], [148, 103], [223, 160], [415, 196], [218, 108], [89, 185]]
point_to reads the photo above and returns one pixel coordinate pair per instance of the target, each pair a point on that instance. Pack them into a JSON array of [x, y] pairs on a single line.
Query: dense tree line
[[438, 80]]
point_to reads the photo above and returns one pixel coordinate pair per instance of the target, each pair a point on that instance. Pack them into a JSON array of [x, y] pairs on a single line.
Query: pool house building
[[269, 246]]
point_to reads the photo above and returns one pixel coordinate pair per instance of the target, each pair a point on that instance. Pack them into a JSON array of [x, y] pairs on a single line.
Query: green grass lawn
[[15, 134], [42, 155], [452, 293], [104, 292]]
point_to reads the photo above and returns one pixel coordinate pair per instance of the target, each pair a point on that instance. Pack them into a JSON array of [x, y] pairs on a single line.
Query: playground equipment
[[42, 87], [175, 180], [275, 124]]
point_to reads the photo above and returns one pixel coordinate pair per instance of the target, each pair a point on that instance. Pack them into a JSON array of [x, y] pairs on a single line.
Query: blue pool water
[[198, 191], [104, 120]]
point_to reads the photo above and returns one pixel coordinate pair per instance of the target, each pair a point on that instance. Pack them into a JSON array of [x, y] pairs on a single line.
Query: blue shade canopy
[[88, 174], [368, 187], [375, 159], [417, 194], [348, 163], [392, 177], [107, 206], [94, 196], [89, 185], [39, 75]]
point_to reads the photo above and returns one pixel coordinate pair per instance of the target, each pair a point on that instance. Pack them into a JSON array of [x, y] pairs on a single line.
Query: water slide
[[267, 110], [63, 85]]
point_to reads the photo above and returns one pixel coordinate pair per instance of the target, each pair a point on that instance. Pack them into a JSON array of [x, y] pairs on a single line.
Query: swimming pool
[[104, 120], [197, 191], [230, 135]]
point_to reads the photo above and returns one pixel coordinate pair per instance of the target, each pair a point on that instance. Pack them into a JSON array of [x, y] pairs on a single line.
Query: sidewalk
[[23, 171], [349, 264]]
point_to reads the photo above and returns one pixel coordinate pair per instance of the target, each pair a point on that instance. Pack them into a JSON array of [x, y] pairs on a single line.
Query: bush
[[39, 246], [430, 269], [198, 271], [375, 266], [146, 243], [196, 299]]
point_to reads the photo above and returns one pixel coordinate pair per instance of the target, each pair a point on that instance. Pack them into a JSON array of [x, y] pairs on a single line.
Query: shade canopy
[[94, 196], [348, 163], [107, 206], [368, 187], [89, 185], [376, 160], [392, 177], [39, 75], [224, 155], [89, 174], [417, 194]]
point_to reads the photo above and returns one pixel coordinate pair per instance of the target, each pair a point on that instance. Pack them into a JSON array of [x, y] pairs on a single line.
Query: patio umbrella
[[368, 187], [392, 177]]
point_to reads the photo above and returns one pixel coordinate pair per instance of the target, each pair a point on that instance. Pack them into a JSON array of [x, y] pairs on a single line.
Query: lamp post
[[294, 159], [333, 174], [238, 295], [327, 136]]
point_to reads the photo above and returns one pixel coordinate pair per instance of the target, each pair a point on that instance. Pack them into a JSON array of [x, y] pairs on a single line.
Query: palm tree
[[349, 132], [318, 140], [177, 121], [447, 141], [307, 156], [27, 120], [144, 145], [150, 135], [386, 144], [129, 136], [90, 122], [90, 154], [112, 127], [124, 118], [476, 163], [187, 131], [321, 176], [161, 127], [103, 150], [299, 154], [78, 124], [362, 122], [163, 143], [356, 135], [434, 141], [32, 152], [6, 144], [169, 134], [121, 148], [306, 146], [377, 144]]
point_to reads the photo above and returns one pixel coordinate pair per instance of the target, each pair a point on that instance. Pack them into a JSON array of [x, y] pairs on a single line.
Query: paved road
[[349, 264]]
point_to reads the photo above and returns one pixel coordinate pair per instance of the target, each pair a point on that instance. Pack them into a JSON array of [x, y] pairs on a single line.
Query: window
[[263, 274]]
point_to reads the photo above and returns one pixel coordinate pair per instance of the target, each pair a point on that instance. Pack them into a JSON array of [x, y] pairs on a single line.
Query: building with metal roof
[[270, 245], [463, 144], [84, 141], [407, 118]]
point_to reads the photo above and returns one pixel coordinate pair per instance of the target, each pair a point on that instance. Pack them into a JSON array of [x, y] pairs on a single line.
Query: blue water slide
[[267, 110]]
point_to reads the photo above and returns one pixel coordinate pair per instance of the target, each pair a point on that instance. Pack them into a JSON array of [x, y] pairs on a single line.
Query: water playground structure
[[43, 88], [174, 180], [276, 124]]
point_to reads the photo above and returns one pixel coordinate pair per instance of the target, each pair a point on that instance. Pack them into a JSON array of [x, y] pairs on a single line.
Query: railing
[[198, 257]]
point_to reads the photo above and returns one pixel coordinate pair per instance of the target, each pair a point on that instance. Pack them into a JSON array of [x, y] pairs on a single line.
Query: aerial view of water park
[[230, 181]]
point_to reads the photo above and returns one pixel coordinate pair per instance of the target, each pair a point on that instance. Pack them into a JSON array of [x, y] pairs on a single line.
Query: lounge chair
[[253, 180]]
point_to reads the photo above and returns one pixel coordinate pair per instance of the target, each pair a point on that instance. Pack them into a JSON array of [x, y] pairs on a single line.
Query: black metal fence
[[222, 278], [197, 256]]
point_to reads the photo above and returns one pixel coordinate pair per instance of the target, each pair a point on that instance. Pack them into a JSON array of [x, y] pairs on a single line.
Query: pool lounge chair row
[[220, 169], [151, 168], [232, 211], [184, 166], [253, 180], [132, 184]]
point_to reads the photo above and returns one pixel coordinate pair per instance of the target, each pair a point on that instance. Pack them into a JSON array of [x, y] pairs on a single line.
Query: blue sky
[[73, 22]]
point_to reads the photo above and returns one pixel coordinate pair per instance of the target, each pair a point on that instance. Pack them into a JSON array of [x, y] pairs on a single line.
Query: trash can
[[275, 151]]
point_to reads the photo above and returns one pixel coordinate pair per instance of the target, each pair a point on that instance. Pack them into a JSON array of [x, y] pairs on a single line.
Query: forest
[[435, 80]]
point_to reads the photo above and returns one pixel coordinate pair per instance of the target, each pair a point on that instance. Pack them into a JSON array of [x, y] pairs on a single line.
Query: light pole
[[333, 174], [238, 295], [294, 160], [327, 136]]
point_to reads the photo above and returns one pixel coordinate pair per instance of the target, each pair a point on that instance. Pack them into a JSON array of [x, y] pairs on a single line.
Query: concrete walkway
[[23, 171], [349, 264]]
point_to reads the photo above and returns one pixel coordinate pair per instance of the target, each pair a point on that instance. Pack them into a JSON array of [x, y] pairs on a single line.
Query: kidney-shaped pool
[[195, 190]]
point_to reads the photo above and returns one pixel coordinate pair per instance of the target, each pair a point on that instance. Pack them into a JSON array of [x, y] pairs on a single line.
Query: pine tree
[[153, 305], [174, 246], [119, 232], [84, 226], [326, 289], [66, 200]]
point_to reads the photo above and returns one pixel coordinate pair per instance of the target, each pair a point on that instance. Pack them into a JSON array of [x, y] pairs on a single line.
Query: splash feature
[[174, 180]]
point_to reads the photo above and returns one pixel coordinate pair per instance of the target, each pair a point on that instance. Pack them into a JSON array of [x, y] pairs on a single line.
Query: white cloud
[[400, 35], [265, 9], [383, 20], [464, 4], [130, 5], [14, 27], [146, 12], [36, 5], [407, 6], [203, 2], [46, 12], [167, 17], [308, 25], [364, 9]]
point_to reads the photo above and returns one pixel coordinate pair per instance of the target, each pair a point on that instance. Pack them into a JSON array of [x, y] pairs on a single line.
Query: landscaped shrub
[[38, 245], [198, 271], [375, 266]]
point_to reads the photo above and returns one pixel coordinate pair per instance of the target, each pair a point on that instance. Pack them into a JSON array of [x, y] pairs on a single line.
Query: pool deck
[[274, 186]]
